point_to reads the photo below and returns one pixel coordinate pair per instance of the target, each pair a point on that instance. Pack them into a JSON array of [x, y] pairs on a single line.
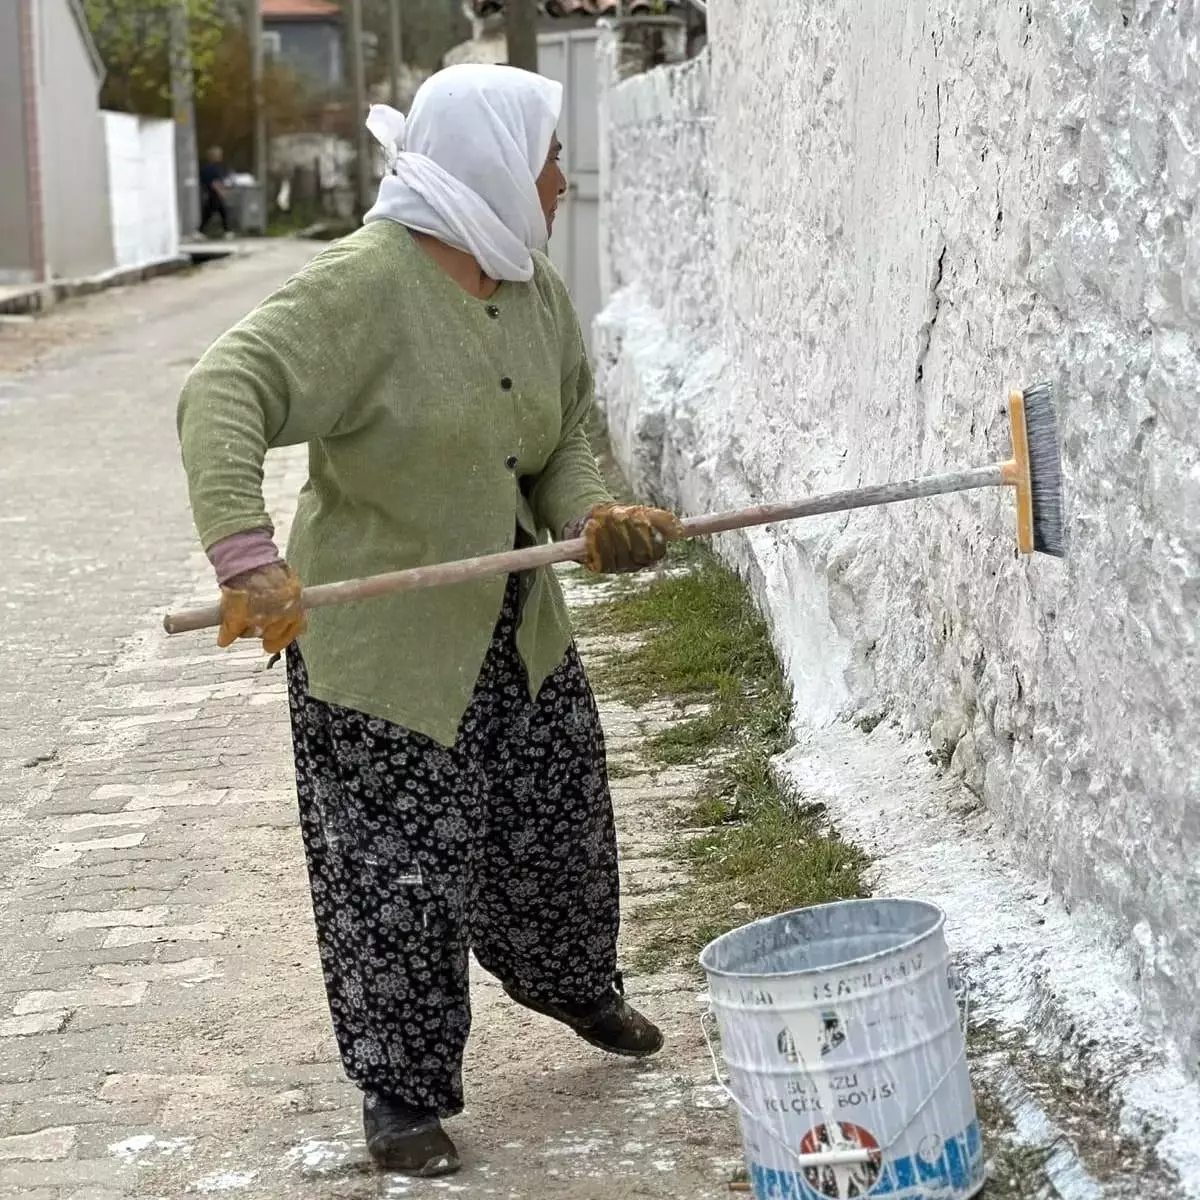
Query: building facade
[[54, 209], [306, 35]]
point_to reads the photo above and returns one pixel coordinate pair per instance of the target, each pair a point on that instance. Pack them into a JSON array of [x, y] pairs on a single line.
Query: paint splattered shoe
[[610, 1024], [401, 1139]]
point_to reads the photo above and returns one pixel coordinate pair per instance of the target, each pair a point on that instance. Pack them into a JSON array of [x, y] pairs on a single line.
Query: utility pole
[[183, 110], [358, 109], [254, 31], [520, 33], [395, 49]]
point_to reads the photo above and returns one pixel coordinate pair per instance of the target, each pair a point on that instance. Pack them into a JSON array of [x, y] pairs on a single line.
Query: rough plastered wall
[[832, 248]]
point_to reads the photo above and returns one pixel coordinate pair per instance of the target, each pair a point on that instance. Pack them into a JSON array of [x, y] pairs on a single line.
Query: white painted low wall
[[142, 189], [831, 249]]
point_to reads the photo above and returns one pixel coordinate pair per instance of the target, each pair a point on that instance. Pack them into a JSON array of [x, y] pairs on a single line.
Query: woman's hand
[[263, 603], [624, 538]]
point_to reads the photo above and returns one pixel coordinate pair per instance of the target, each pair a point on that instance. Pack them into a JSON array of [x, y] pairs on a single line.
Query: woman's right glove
[[623, 538], [263, 603]]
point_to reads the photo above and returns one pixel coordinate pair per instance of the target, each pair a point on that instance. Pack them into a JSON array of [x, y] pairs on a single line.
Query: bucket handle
[[843, 1158]]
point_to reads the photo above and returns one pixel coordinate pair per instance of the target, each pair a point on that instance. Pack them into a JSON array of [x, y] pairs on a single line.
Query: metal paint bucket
[[842, 1029]]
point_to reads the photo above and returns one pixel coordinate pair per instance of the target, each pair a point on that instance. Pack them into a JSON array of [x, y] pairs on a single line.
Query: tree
[[225, 113], [431, 27], [133, 38]]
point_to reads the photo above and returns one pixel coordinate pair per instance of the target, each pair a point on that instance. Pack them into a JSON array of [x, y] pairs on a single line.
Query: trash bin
[[247, 207]]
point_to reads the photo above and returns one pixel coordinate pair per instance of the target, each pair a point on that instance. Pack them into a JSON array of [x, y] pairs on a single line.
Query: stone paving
[[163, 1030]]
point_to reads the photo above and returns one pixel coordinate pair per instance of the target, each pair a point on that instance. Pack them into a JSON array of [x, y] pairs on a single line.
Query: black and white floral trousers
[[418, 854]]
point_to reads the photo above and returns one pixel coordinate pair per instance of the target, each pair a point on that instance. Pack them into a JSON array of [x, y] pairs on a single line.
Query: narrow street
[[163, 1029]]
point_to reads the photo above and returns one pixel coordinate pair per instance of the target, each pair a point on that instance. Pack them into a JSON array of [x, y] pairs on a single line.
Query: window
[[272, 43]]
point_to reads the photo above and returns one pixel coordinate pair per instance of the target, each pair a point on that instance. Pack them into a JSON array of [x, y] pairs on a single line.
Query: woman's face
[[551, 183]]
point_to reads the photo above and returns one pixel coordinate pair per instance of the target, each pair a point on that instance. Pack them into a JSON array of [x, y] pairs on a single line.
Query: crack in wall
[[937, 133], [925, 333]]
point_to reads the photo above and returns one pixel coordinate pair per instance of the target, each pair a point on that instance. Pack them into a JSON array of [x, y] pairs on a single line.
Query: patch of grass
[[685, 742], [1084, 1112], [656, 956], [776, 856], [707, 642], [710, 809], [986, 1043], [1015, 1170], [1018, 1172], [758, 851]]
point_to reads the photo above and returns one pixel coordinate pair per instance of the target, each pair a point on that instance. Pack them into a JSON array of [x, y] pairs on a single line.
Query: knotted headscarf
[[464, 163]]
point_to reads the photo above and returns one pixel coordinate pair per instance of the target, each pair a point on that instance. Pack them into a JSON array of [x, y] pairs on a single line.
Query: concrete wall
[[16, 227], [831, 249], [142, 189], [71, 136]]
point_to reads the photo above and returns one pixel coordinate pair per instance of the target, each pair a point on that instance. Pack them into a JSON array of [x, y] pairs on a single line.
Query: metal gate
[[570, 59]]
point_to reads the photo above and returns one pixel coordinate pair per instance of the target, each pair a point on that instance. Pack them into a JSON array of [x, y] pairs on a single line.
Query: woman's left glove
[[266, 603], [623, 538]]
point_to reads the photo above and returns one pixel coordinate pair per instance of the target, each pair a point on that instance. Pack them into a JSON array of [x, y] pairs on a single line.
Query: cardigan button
[[493, 312], [511, 462], [506, 384]]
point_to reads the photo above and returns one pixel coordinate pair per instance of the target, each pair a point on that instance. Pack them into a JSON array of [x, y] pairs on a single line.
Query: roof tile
[[567, 8], [308, 9]]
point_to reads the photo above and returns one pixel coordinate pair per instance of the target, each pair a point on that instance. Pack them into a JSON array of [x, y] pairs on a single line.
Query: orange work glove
[[624, 538], [263, 603]]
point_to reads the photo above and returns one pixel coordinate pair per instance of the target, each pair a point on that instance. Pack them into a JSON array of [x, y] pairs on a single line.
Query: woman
[[449, 759]]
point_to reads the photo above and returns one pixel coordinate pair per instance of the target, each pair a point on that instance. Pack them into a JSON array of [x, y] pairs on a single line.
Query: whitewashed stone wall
[[831, 248], [142, 183]]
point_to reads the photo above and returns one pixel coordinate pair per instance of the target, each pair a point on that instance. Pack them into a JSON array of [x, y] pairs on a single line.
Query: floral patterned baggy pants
[[417, 854]]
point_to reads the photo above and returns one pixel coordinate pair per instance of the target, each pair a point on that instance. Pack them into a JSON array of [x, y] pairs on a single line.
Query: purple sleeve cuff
[[234, 556], [574, 529]]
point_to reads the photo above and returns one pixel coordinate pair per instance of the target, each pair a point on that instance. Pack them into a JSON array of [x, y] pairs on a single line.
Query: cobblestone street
[[163, 1029]]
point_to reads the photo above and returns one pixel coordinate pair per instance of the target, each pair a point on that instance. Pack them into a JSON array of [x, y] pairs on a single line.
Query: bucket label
[[850, 1090], [956, 1163], [873, 977], [830, 1036], [752, 994], [853, 1179]]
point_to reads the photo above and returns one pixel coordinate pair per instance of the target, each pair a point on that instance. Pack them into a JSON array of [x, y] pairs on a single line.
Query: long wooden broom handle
[[510, 561]]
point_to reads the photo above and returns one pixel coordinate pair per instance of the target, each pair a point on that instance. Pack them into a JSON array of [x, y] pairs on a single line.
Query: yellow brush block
[[1016, 471]]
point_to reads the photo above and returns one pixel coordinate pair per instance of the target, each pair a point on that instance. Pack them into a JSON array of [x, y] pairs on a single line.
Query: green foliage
[[750, 848], [225, 113], [134, 41]]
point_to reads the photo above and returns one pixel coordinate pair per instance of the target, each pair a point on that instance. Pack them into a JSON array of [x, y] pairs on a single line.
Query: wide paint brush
[[1034, 473]]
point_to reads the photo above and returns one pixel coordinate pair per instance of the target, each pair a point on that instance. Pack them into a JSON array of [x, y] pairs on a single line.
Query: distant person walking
[[213, 174]]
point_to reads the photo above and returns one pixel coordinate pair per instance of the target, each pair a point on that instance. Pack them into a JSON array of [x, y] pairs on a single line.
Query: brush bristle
[[1045, 471]]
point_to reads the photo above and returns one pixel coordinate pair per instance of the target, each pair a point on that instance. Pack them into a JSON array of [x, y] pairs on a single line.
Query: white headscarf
[[465, 163]]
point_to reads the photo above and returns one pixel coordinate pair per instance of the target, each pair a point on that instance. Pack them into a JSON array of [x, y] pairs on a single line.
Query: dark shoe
[[610, 1024], [402, 1139]]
